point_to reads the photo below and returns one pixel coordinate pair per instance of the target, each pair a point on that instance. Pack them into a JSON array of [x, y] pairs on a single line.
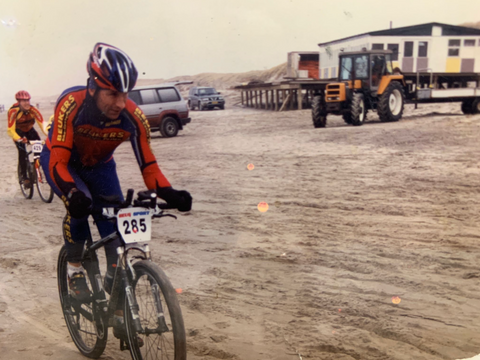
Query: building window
[[408, 51], [394, 48], [325, 73], [453, 47], [422, 49], [377, 46], [469, 42]]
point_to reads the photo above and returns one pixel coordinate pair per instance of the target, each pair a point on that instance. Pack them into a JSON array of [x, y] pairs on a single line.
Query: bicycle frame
[[124, 267]]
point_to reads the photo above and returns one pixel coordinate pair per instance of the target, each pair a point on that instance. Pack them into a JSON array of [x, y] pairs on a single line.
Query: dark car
[[205, 98], [163, 106]]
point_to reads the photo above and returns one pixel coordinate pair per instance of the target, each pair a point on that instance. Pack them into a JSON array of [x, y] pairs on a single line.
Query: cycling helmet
[[22, 95], [110, 68]]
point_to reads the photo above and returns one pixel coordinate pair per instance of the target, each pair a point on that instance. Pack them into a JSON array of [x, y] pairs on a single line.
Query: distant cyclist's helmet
[[22, 95], [110, 68]]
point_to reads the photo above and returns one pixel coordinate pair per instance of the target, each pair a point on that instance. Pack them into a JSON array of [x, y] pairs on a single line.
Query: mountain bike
[[35, 174], [151, 312]]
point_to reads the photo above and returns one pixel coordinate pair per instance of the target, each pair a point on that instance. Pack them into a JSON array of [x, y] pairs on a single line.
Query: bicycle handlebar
[[146, 199]]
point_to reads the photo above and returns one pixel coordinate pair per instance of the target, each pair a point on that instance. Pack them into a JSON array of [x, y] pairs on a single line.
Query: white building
[[441, 48]]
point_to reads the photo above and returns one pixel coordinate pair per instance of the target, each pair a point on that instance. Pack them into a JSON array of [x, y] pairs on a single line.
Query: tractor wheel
[[319, 111], [357, 109], [467, 107], [347, 117], [390, 105], [475, 109]]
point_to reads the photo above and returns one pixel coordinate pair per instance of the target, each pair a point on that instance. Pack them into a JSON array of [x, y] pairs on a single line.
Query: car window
[[168, 95], [207, 91], [149, 96], [135, 96]]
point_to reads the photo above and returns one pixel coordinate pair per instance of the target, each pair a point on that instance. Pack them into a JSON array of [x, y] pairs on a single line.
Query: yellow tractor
[[366, 81]]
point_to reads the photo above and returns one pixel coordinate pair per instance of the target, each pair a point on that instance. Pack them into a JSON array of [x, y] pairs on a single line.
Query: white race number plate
[[135, 224], [37, 148]]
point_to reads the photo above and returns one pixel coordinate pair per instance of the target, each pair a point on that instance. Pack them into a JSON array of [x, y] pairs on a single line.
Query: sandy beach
[[369, 249]]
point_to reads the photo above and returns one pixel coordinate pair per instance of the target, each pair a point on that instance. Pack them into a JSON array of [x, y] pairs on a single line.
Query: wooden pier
[[280, 96]]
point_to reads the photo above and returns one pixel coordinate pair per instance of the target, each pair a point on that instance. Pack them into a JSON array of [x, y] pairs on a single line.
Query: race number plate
[[37, 148], [135, 224]]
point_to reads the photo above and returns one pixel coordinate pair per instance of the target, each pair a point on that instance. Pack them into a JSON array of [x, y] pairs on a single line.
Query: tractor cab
[[365, 69]]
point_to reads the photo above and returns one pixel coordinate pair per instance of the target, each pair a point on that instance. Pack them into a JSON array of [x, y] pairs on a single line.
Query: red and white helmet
[[22, 95], [111, 68]]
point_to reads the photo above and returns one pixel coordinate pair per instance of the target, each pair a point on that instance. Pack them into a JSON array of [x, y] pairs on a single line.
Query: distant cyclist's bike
[[35, 174], [152, 314]]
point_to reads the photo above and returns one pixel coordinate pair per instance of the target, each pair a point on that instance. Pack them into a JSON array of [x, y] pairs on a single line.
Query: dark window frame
[[454, 42], [469, 41], [394, 48], [377, 46], [409, 48], [421, 52], [454, 52], [454, 47]]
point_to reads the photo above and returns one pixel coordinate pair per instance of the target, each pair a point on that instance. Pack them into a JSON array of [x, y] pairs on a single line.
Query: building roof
[[416, 30]]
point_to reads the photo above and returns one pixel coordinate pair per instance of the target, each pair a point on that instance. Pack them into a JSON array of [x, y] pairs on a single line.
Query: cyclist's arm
[[61, 143], [140, 140], [12, 121], [39, 119]]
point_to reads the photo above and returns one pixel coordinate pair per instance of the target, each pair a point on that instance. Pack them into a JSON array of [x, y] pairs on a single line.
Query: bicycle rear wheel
[[88, 334], [27, 191], [160, 315], [44, 189]]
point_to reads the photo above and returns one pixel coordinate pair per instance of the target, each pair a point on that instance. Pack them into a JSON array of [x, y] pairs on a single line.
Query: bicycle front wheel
[[84, 322], [27, 190], [163, 332], [44, 189]]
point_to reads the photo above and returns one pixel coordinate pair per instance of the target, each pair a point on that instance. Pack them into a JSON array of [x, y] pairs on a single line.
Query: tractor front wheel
[[390, 105], [357, 109], [319, 111]]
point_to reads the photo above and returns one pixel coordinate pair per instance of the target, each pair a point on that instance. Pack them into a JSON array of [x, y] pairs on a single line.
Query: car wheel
[[169, 127], [189, 104], [200, 106]]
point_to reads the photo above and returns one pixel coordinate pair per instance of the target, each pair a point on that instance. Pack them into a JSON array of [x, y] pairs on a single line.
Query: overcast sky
[[44, 44]]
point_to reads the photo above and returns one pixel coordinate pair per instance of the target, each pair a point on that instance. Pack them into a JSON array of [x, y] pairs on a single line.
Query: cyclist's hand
[[78, 204], [180, 199], [22, 140]]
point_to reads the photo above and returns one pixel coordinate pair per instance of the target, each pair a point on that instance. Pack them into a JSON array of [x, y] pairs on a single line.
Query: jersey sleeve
[[140, 140], [61, 141], [39, 119], [12, 120]]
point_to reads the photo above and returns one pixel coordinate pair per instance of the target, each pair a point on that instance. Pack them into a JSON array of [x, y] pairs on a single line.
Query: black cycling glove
[[180, 199], [78, 204]]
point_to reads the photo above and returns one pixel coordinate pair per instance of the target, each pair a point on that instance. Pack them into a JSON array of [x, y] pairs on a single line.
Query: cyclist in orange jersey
[[21, 119]]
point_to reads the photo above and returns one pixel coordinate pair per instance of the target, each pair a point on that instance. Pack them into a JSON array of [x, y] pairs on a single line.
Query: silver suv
[[163, 106], [205, 98]]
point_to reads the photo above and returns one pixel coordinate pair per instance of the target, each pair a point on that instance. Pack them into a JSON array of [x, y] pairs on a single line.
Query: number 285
[[132, 225]]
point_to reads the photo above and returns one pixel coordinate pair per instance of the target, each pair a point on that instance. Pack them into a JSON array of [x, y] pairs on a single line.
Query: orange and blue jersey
[[82, 136], [23, 121]]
